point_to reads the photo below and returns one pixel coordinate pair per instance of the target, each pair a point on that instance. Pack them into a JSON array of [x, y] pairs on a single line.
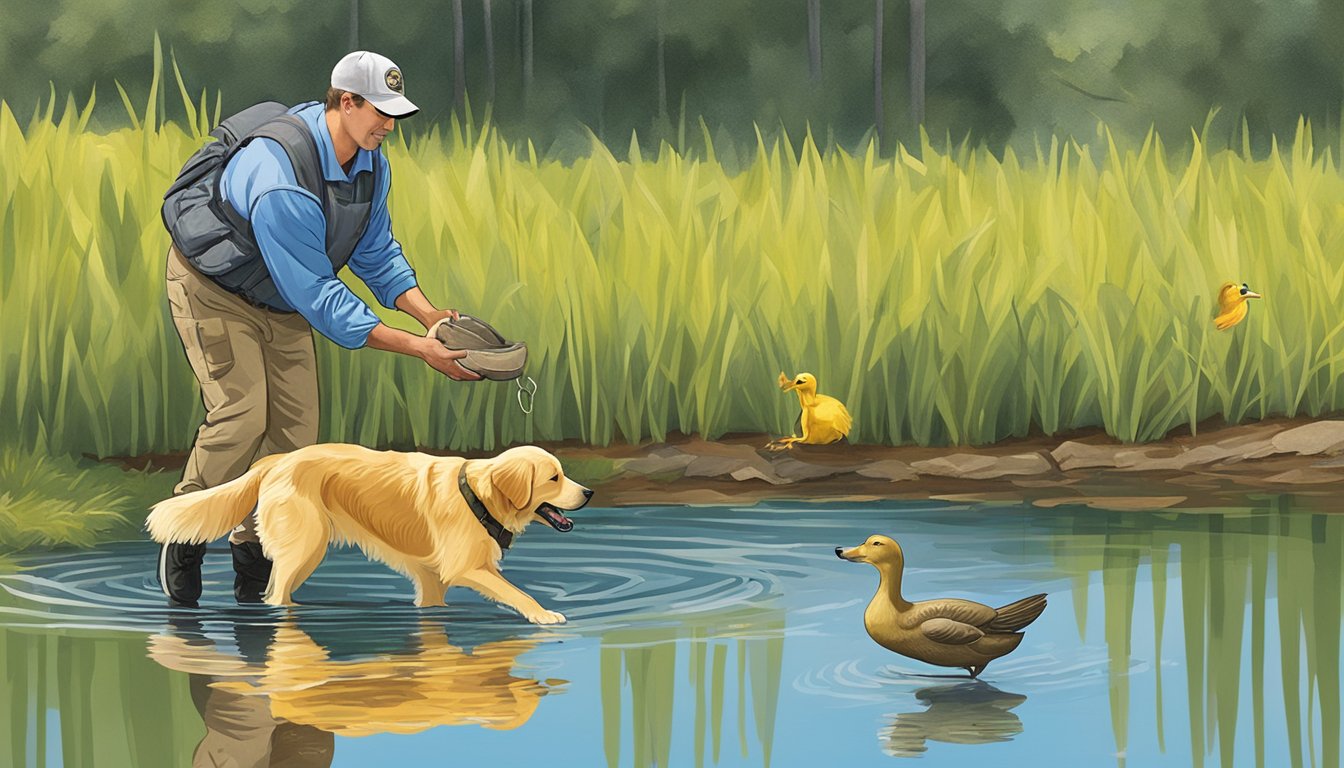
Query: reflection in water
[[646, 659], [240, 730], [1213, 639], [78, 699], [972, 712], [1224, 571], [277, 696]]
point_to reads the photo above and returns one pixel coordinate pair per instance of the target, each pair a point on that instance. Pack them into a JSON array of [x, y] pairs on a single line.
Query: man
[[301, 199]]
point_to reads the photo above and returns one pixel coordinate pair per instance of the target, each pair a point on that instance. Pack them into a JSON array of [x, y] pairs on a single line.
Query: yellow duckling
[[1232, 306], [947, 632], [825, 419]]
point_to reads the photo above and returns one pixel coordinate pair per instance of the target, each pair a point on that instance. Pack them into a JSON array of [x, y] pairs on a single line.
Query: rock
[[714, 466], [725, 460], [1311, 439], [1073, 455], [1247, 436], [754, 473], [978, 467], [790, 468], [1257, 449], [954, 465], [889, 469], [1154, 459], [663, 461]]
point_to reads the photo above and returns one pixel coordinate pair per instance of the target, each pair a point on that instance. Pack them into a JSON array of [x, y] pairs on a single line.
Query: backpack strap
[[294, 137]]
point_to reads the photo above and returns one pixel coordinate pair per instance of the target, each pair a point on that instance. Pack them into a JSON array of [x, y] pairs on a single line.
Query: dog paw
[[547, 617]]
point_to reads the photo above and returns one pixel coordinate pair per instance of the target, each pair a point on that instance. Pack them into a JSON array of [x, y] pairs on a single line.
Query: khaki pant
[[258, 376]]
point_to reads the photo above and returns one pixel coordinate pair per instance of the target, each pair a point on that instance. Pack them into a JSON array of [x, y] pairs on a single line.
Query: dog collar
[[502, 536]]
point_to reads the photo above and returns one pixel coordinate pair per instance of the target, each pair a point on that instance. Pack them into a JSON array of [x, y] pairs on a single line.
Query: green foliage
[[1004, 73], [958, 298], [57, 501]]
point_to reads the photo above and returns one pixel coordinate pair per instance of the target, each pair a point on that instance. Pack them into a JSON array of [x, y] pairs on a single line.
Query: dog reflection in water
[[280, 702], [964, 713]]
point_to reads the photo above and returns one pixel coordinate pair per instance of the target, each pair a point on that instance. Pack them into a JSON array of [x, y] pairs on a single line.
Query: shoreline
[[1302, 457]]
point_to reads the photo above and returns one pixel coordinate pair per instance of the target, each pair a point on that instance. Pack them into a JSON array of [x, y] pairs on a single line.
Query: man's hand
[[439, 314], [414, 303], [444, 360], [439, 357]]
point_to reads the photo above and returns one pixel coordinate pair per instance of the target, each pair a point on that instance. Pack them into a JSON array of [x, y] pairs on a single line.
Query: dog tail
[[206, 515]]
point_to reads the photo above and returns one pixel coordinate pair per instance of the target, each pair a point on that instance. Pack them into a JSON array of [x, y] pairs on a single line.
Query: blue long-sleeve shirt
[[288, 223]]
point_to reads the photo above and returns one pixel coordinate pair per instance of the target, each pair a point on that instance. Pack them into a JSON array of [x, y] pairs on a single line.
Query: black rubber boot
[[180, 573], [252, 572]]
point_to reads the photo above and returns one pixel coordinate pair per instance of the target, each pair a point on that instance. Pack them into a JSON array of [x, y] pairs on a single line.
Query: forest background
[[1005, 73]]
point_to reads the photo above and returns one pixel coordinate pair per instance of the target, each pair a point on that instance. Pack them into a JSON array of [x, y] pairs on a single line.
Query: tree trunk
[[489, 53], [354, 25], [459, 62], [814, 39], [527, 51], [879, 121], [917, 61], [662, 67]]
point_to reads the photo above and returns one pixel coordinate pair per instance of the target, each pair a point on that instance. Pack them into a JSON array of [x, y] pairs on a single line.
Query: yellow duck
[[946, 632], [825, 419], [1232, 306]]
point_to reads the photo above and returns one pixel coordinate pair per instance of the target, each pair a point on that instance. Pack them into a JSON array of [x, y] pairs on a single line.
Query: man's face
[[365, 124]]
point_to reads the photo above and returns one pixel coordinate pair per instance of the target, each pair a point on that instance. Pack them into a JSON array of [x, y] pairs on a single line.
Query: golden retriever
[[404, 509]]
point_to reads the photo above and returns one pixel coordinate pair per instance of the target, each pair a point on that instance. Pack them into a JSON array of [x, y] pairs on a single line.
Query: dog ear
[[514, 480]]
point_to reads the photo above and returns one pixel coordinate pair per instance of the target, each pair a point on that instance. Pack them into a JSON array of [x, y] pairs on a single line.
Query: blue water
[[711, 636]]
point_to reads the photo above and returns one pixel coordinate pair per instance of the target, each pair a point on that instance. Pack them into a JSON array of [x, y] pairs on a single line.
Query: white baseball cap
[[375, 78]]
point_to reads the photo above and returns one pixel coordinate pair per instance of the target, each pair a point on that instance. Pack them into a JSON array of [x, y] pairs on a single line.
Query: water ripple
[[609, 573]]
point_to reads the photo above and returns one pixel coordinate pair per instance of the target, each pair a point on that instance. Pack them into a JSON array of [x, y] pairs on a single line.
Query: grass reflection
[[1231, 564], [639, 667], [77, 699]]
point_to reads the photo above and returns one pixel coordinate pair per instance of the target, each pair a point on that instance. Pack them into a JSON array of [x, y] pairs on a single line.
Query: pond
[[708, 636]]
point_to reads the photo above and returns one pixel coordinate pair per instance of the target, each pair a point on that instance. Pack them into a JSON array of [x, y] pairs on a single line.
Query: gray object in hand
[[488, 353]]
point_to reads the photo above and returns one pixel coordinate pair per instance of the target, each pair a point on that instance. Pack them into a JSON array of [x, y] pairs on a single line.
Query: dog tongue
[[555, 518]]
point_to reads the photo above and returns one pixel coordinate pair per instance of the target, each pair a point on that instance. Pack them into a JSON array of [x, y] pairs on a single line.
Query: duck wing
[[955, 609], [835, 413], [1232, 316], [950, 632], [1010, 618]]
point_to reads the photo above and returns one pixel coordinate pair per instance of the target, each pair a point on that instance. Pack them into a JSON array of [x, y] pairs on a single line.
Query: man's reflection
[[973, 712], [271, 696]]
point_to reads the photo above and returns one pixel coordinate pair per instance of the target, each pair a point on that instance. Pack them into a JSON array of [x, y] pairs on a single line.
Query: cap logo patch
[[393, 80]]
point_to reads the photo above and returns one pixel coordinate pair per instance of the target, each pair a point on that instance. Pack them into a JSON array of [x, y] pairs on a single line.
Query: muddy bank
[[1300, 457], [1289, 456]]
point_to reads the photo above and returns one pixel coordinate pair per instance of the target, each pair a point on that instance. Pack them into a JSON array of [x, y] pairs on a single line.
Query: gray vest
[[219, 243]]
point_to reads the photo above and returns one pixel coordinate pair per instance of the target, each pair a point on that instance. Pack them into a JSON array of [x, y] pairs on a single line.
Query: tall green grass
[[62, 501], [947, 295]]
